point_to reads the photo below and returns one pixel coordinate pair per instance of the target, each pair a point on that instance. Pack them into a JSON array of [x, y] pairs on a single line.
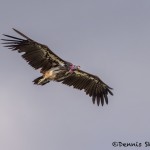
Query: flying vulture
[[54, 68]]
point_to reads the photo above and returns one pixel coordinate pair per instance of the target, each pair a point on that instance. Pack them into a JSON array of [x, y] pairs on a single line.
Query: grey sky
[[110, 39]]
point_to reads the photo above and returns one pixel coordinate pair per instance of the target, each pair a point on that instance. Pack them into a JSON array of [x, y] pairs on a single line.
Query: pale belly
[[50, 74], [54, 73]]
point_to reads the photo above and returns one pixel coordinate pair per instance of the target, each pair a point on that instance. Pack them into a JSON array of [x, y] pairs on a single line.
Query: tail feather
[[40, 81]]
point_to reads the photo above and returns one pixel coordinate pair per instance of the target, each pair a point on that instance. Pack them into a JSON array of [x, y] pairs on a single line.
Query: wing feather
[[92, 85], [40, 56], [36, 54]]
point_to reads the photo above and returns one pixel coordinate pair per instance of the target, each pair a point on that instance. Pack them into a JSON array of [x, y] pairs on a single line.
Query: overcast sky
[[108, 38]]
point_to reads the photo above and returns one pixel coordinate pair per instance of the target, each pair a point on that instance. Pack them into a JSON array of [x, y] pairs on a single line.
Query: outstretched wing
[[36, 54], [92, 85]]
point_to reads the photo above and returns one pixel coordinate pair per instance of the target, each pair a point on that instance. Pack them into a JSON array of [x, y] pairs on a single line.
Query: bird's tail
[[40, 81]]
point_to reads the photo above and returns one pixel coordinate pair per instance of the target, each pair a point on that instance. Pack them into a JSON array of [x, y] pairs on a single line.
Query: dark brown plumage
[[36, 54], [91, 84], [54, 68]]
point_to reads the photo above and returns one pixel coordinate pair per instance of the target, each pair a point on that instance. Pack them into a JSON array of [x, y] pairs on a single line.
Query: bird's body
[[53, 68], [51, 74]]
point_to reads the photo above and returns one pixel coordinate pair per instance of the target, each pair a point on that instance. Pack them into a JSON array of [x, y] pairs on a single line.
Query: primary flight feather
[[53, 68]]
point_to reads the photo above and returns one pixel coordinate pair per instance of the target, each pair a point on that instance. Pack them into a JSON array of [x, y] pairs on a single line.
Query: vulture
[[54, 68]]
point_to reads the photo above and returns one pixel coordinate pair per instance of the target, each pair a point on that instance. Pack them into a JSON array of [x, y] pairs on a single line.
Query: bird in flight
[[54, 68]]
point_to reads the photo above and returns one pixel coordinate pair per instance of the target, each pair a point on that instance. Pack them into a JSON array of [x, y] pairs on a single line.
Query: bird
[[54, 68]]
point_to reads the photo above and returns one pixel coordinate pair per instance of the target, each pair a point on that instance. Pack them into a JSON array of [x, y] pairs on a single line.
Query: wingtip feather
[[21, 34]]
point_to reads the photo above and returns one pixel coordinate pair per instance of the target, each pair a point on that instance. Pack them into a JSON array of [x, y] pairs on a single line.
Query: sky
[[110, 39]]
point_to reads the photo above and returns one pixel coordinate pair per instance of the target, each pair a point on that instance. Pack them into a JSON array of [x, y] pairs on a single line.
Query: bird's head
[[72, 68], [76, 67]]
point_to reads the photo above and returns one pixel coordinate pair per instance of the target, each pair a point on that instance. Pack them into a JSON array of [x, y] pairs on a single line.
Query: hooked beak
[[78, 67]]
